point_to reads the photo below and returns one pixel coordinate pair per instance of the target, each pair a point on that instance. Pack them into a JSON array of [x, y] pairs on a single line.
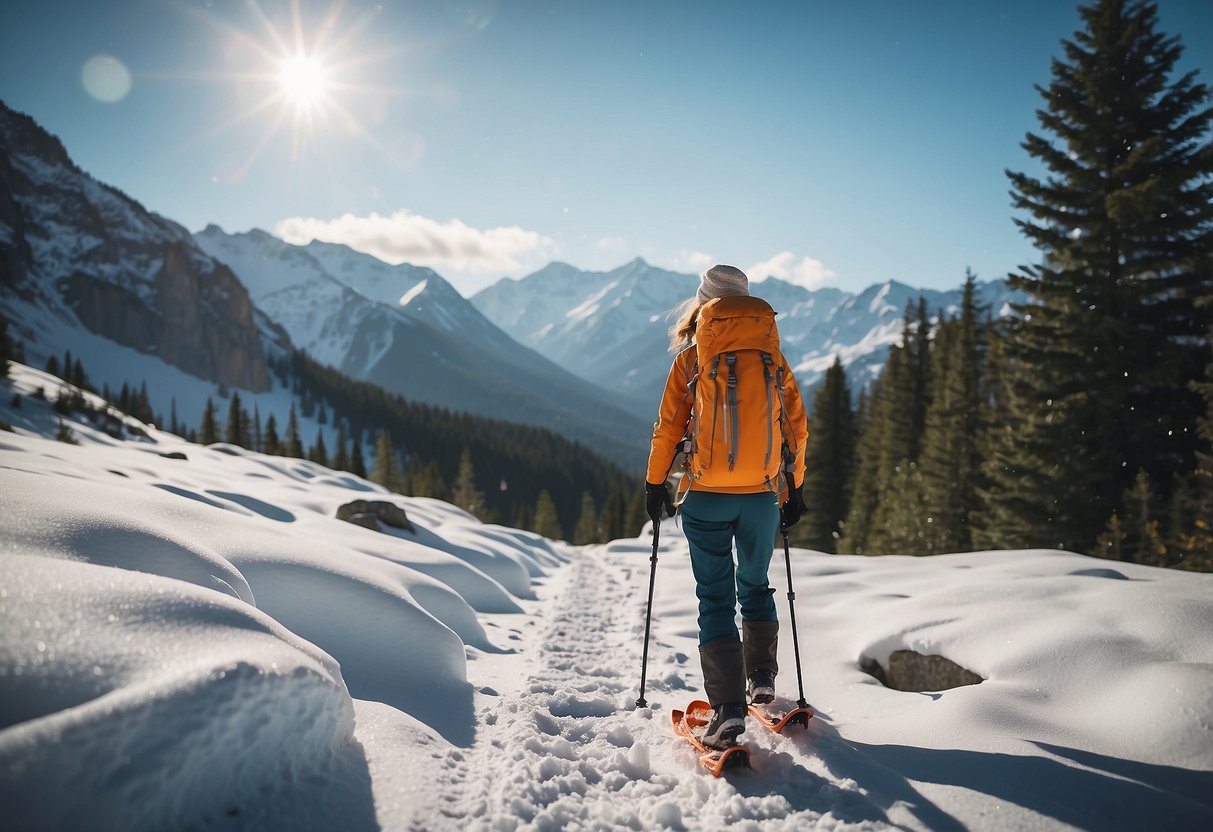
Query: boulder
[[370, 513], [912, 671]]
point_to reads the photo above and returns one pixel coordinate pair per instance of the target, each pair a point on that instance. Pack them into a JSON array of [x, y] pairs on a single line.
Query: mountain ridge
[[612, 327], [406, 328]]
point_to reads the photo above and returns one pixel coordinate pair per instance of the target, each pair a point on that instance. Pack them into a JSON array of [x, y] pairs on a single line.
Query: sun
[[304, 80], [309, 78]]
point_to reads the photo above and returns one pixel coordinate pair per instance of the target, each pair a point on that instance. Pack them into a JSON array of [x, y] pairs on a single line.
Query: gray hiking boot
[[761, 687], [726, 724]]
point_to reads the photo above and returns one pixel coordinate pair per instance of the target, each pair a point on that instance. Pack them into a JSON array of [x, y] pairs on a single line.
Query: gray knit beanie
[[722, 281]]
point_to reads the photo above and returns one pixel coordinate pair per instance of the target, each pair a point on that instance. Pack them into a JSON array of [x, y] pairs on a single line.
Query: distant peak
[[319, 244]]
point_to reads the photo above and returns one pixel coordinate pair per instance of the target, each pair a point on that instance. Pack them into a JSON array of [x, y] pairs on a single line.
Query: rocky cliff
[[83, 249]]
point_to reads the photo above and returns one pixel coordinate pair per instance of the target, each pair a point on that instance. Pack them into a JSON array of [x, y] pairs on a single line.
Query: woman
[[729, 396]]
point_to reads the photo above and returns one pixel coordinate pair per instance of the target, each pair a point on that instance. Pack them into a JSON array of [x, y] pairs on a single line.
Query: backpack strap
[[787, 453], [712, 439], [767, 363], [732, 424], [689, 443], [690, 439]]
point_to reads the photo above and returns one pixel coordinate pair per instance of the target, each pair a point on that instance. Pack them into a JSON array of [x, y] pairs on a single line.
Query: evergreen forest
[[500, 472], [1083, 420]]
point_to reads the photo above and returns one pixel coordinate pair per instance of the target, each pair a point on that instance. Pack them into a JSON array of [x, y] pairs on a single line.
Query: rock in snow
[[189, 638]]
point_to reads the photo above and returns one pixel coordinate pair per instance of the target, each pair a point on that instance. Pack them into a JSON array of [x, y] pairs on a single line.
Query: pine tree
[[614, 516], [1100, 356], [52, 366], [905, 416], [210, 430], [829, 461], [273, 444], [174, 426], [143, 407], [952, 443], [293, 446], [1200, 545], [319, 454], [465, 494], [547, 523], [1190, 532], [232, 435], [865, 488], [1138, 536], [427, 482], [357, 460], [586, 530], [246, 432], [895, 523], [79, 377], [7, 348], [385, 472], [257, 437], [341, 459], [524, 518]]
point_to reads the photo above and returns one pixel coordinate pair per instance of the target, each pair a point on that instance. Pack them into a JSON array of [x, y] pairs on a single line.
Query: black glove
[[657, 495], [792, 509]]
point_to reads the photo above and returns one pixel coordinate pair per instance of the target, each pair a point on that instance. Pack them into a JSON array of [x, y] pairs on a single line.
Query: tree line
[[502, 472]]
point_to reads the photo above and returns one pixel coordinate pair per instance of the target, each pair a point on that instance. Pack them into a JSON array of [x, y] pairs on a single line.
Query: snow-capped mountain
[[406, 329], [76, 252], [83, 267], [611, 327]]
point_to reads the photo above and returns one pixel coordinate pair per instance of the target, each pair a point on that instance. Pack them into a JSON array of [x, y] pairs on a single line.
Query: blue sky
[[834, 143]]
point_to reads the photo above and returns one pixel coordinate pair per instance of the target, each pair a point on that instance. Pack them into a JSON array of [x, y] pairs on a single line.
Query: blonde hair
[[687, 314]]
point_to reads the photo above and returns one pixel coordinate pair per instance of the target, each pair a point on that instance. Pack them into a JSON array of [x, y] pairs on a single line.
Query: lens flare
[[106, 78]]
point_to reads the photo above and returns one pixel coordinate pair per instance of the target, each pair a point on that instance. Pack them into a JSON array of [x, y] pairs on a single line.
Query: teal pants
[[712, 521]]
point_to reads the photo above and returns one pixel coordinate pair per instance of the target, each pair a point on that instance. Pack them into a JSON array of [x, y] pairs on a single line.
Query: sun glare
[[303, 80], [302, 77]]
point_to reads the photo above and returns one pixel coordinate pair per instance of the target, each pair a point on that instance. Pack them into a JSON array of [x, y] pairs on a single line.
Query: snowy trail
[[565, 747]]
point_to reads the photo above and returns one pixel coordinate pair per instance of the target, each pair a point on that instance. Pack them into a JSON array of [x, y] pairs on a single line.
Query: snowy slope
[[611, 327], [406, 329], [188, 638]]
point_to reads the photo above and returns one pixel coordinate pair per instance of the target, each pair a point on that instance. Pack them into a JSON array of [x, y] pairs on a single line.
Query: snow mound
[[116, 525], [140, 702]]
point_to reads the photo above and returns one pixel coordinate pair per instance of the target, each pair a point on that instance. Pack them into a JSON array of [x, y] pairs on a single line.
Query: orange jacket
[[675, 414]]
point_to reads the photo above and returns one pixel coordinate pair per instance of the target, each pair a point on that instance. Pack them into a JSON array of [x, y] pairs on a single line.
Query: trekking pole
[[648, 615], [787, 559]]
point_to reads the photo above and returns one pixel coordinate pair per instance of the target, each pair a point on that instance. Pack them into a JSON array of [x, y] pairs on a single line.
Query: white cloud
[[696, 261], [611, 243], [408, 237], [810, 273]]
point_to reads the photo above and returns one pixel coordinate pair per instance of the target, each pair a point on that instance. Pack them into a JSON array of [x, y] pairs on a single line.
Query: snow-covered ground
[[189, 638]]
